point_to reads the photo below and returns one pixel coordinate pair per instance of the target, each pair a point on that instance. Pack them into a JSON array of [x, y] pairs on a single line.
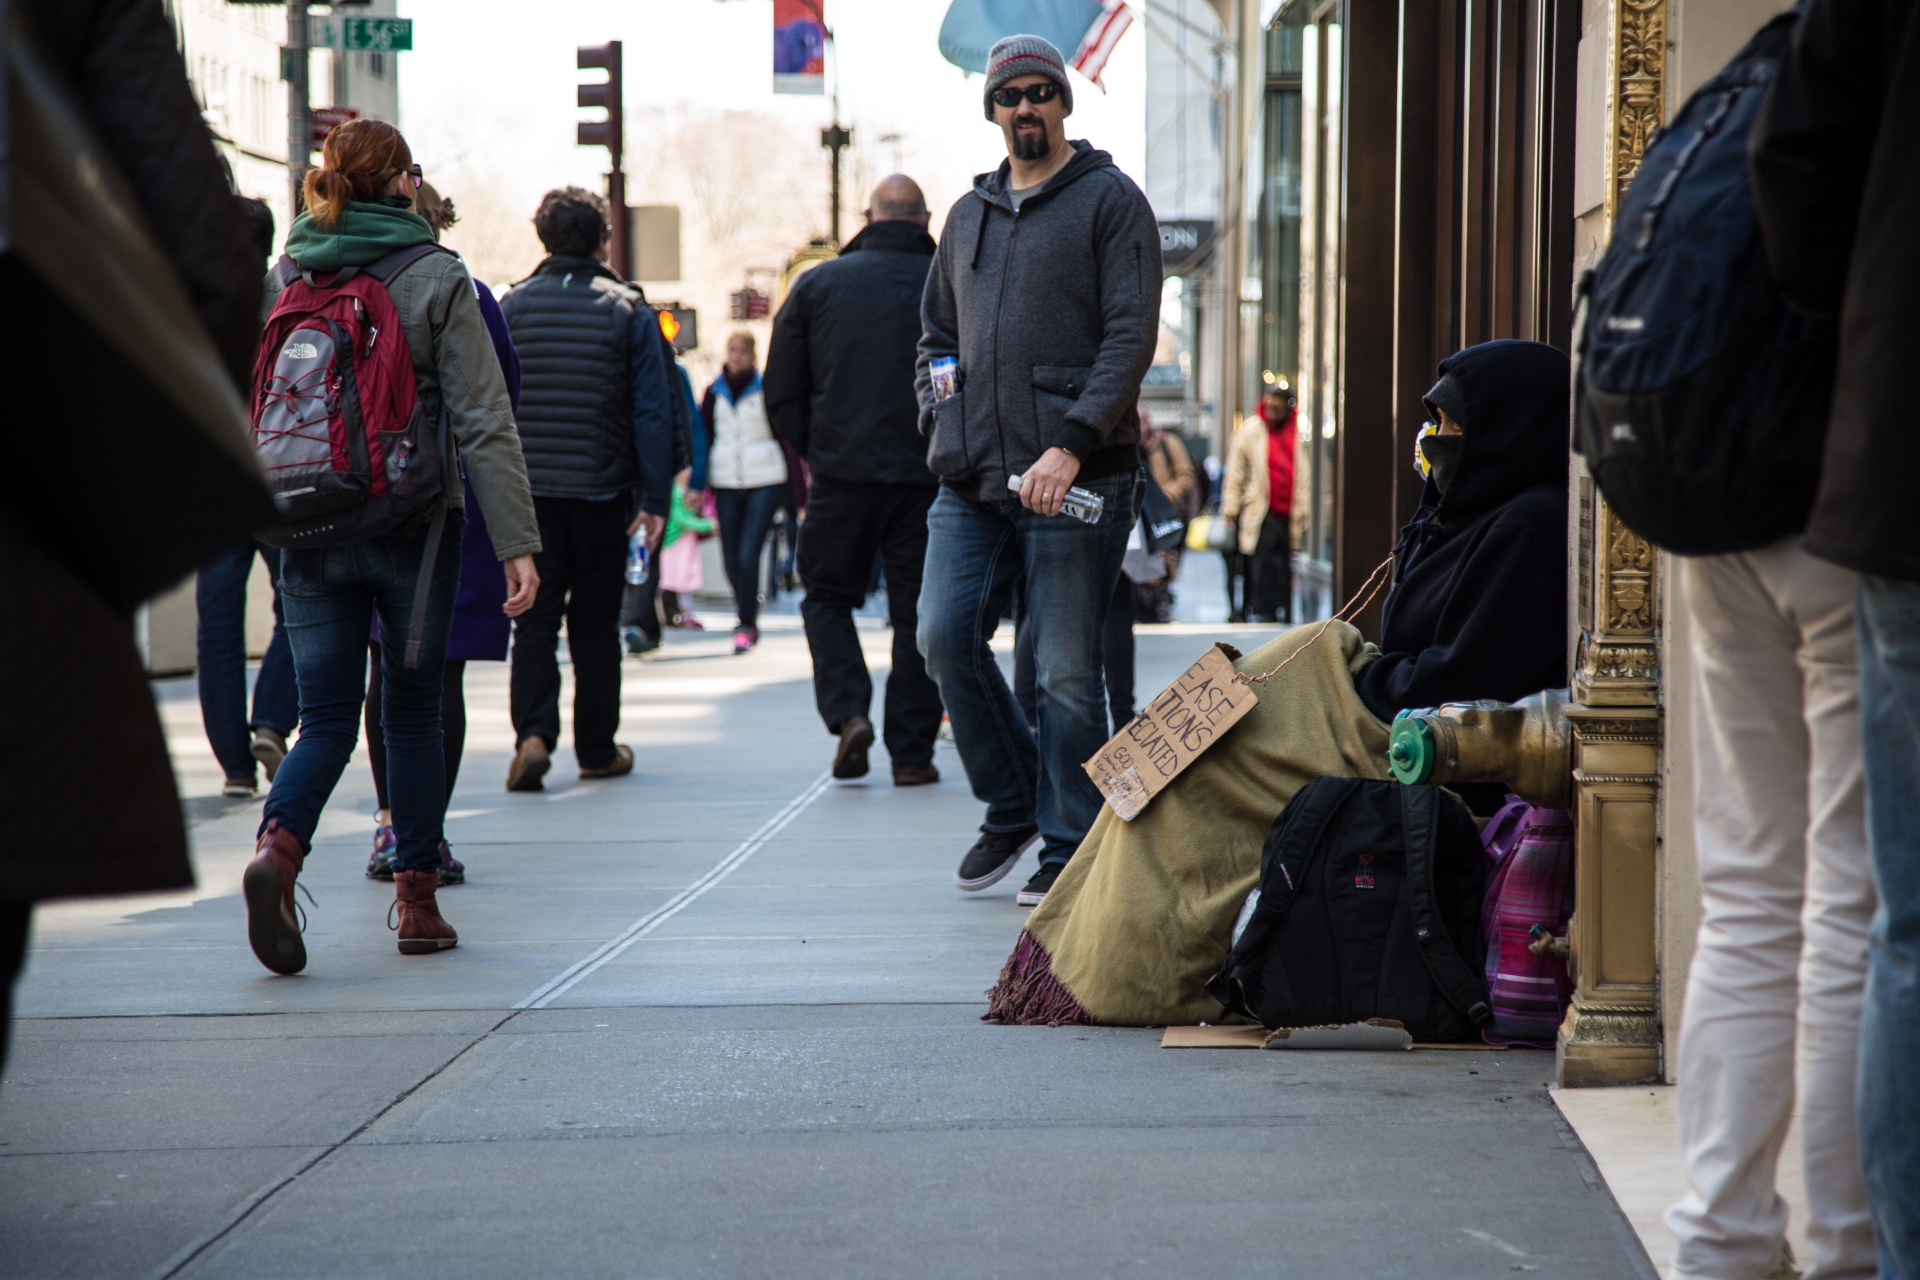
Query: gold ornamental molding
[[1638, 89], [1612, 1033]]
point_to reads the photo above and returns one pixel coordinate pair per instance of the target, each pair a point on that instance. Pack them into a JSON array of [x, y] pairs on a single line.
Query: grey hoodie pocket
[[1055, 388], [947, 447]]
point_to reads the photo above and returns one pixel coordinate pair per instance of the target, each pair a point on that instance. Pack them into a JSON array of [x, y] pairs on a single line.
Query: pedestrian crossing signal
[[681, 325]]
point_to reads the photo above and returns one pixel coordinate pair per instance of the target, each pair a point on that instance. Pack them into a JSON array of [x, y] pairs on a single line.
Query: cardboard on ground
[[1188, 717]]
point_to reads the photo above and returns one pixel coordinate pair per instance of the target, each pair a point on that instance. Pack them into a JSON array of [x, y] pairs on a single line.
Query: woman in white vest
[[748, 475]]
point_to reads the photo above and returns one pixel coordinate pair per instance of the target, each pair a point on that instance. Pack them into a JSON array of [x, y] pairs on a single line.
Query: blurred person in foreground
[[839, 387], [1256, 501], [1838, 196], [112, 92], [480, 626], [244, 745], [359, 212], [1052, 330], [596, 425]]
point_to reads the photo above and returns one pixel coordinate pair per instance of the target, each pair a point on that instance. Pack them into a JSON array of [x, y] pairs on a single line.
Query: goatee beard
[[1027, 148]]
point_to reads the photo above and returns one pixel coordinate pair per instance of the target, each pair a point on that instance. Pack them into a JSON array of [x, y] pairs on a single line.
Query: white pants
[[1773, 999]]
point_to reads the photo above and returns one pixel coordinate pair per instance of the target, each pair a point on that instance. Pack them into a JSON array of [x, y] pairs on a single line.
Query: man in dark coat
[[839, 388], [178, 470], [1478, 604], [1838, 195], [596, 428]]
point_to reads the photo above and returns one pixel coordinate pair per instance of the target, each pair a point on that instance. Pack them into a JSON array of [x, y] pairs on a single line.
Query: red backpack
[[348, 450], [338, 426]]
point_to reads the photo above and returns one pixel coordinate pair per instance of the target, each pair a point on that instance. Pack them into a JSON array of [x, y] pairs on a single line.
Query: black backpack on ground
[[1369, 907], [1702, 399]]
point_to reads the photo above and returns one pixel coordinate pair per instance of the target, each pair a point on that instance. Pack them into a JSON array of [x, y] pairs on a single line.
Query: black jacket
[[839, 379], [1837, 190], [1479, 603], [596, 408]]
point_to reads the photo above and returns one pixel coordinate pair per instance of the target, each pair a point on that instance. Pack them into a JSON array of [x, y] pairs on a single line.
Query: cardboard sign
[[1186, 719]]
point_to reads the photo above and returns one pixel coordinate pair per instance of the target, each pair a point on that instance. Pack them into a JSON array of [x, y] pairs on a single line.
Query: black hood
[[893, 234], [992, 187], [1512, 400]]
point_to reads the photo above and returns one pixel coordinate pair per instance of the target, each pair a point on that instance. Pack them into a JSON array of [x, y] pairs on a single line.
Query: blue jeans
[[220, 593], [1889, 622], [746, 517], [331, 595], [976, 552]]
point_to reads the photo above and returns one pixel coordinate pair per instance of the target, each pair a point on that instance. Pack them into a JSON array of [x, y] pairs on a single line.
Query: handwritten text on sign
[[1186, 719]]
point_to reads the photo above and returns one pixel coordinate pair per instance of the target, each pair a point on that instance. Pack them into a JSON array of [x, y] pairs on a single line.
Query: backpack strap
[[1462, 988], [385, 268]]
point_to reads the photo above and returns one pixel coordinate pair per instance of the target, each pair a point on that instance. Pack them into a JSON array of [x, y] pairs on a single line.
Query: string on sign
[[1376, 581]]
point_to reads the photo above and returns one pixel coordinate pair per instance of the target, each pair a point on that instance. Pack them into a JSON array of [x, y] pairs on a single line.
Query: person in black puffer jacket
[[1478, 603]]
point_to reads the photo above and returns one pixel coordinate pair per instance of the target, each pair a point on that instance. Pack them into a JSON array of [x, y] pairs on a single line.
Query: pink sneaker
[[744, 639]]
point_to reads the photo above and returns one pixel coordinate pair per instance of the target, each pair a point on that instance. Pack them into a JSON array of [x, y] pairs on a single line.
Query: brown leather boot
[[422, 929], [273, 923]]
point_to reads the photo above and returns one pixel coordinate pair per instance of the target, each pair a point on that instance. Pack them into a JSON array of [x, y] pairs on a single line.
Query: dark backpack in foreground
[[1702, 399], [1369, 907]]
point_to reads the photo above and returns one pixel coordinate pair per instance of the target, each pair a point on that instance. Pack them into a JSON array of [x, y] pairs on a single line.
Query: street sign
[[376, 35], [325, 120], [358, 35]]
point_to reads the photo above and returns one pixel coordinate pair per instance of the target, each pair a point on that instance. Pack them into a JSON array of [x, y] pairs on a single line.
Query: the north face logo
[[300, 351]]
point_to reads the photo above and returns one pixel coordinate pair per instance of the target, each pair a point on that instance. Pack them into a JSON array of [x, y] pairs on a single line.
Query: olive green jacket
[[454, 365]]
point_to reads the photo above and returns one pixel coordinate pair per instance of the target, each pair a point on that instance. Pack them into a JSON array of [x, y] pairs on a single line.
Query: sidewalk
[[718, 1019]]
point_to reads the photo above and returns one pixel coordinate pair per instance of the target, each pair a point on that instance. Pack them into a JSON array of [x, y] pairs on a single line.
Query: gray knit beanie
[[1018, 56]]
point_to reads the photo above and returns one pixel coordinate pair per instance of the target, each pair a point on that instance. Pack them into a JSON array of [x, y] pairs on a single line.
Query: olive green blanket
[[1144, 912]]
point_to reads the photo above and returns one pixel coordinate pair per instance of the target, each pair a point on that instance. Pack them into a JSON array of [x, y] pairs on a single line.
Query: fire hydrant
[[1527, 744]]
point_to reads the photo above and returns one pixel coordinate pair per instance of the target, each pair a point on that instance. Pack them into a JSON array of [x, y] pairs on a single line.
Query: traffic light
[[602, 133], [681, 325], [608, 133]]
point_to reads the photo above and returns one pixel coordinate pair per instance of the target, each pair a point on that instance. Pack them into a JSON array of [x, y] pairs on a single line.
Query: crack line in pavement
[[646, 924], [540, 999]]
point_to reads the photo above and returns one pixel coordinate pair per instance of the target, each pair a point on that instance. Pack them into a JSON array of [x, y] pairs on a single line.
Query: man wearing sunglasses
[[1045, 293]]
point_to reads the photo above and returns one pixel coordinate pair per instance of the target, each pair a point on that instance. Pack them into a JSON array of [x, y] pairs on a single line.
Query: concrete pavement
[[718, 1019]]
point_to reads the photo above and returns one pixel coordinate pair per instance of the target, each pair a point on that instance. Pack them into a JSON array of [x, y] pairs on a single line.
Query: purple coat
[[480, 630]]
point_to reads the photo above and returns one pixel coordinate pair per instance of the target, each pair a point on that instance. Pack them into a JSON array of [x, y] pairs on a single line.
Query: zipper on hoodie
[[999, 304]]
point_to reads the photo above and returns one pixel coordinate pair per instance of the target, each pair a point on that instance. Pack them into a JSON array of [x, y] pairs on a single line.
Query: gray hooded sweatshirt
[[1052, 313]]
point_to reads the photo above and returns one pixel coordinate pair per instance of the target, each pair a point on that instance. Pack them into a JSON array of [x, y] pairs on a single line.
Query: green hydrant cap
[[1410, 750]]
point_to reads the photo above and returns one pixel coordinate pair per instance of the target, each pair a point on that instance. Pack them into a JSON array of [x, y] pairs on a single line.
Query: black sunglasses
[[1045, 91]]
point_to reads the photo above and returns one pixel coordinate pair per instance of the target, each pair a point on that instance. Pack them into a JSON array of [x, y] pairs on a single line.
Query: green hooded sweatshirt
[[367, 231]]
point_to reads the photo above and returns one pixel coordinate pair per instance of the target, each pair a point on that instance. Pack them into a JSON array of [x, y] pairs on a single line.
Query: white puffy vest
[[745, 455]]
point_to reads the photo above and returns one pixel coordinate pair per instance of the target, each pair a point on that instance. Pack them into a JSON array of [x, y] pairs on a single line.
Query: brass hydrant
[[1526, 744]]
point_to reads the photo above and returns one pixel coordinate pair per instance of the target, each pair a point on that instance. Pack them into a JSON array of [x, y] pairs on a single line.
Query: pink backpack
[[338, 428], [1529, 898]]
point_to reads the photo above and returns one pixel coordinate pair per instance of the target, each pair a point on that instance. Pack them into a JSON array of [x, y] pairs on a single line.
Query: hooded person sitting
[[1144, 912]]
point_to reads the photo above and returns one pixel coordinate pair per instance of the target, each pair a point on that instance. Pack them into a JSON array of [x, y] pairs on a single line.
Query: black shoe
[[993, 855], [850, 757], [915, 775], [1036, 891]]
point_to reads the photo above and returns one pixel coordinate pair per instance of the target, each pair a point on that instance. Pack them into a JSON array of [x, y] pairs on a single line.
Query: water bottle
[[639, 563], [944, 372], [1083, 505]]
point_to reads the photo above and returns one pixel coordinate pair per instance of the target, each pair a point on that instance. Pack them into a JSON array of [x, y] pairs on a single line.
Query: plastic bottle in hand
[[639, 563], [1083, 505]]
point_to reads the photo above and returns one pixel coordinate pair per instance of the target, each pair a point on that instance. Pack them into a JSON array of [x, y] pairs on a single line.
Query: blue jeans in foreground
[[976, 551], [220, 594], [330, 595], [1889, 621]]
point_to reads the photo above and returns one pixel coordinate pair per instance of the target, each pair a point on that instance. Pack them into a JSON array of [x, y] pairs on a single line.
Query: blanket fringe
[[1028, 995]]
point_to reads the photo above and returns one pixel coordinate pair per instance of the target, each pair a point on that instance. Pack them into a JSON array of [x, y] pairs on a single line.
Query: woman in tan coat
[[1256, 501]]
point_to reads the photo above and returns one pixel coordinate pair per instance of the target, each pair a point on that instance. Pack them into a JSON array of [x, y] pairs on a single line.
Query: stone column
[[1612, 1033]]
